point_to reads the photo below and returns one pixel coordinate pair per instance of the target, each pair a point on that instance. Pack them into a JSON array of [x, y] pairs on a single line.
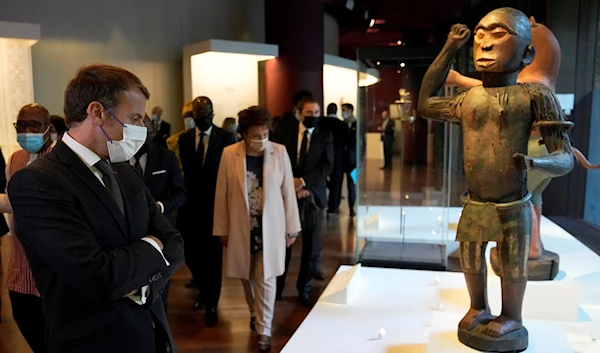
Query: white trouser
[[260, 295]]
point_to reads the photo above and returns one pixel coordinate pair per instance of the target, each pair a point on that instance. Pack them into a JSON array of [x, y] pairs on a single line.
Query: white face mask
[[189, 123], [259, 145], [134, 138]]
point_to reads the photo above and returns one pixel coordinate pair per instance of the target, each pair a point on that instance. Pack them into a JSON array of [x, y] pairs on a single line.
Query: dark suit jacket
[[319, 160], [388, 131], [3, 226], [350, 158], [162, 134], [85, 255], [196, 215], [341, 138], [163, 179]]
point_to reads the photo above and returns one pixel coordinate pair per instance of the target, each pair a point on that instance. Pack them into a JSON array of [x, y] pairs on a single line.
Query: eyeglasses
[[34, 126]]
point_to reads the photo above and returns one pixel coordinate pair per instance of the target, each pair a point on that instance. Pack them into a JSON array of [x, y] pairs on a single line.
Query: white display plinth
[[544, 337], [343, 287], [16, 77], [404, 302]]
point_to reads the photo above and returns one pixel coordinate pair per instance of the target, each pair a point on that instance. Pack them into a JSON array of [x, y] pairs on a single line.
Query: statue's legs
[[513, 252], [472, 260]]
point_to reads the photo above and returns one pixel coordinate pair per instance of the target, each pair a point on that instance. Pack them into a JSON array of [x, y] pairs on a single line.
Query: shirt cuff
[[161, 207], [303, 182], [142, 296], [155, 245]]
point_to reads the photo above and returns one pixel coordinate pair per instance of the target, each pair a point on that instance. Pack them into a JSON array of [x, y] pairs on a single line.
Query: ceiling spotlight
[[399, 71], [402, 64], [372, 23], [399, 42], [378, 63]]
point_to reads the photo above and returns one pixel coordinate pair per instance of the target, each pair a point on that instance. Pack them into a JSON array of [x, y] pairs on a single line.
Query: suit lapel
[[81, 171], [240, 169], [315, 145], [151, 163], [268, 169]]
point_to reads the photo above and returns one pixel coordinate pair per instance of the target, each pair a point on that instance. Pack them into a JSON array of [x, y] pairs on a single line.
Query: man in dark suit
[[341, 142], [160, 170], [163, 128], [387, 137], [311, 152], [99, 249], [350, 157], [289, 118], [200, 150]]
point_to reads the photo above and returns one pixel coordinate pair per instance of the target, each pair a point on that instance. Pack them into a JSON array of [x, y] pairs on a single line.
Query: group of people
[[100, 211]]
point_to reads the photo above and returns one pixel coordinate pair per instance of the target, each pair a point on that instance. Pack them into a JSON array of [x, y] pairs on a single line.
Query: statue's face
[[498, 45]]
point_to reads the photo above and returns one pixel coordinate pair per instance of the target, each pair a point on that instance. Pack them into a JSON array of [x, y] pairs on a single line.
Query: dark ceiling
[[413, 22], [416, 23]]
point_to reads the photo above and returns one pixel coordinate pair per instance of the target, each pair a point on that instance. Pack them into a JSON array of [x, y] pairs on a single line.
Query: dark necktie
[[138, 166], [110, 182], [303, 150], [200, 150]]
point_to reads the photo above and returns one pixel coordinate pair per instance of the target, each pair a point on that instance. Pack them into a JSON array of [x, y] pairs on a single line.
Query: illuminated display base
[[418, 310]]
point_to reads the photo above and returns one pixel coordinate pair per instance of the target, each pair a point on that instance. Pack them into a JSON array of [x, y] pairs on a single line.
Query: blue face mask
[[155, 117], [32, 142]]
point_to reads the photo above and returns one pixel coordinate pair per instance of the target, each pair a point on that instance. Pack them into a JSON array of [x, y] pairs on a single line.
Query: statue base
[[516, 341], [543, 269]]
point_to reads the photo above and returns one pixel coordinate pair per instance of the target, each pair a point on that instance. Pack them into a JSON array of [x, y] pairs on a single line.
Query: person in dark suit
[[200, 150], [3, 226], [99, 249], [311, 151], [350, 157], [163, 128], [160, 171], [341, 142], [289, 118], [387, 137]]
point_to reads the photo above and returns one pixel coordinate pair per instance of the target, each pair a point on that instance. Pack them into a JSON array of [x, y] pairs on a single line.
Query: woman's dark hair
[[59, 124], [229, 125], [254, 116]]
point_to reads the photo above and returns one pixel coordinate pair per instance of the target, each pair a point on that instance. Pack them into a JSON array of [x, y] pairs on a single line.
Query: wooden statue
[[543, 265], [497, 119]]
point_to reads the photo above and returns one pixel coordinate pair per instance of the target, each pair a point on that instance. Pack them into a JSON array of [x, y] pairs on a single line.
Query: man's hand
[[298, 184], [160, 244], [224, 241], [302, 194], [522, 163], [459, 35], [290, 241]]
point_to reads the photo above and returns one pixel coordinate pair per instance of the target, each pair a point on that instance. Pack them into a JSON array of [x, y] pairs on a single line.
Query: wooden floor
[[233, 333]]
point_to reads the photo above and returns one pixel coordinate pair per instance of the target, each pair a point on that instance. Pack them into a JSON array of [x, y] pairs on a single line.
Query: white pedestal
[[343, 286], [544, 337]]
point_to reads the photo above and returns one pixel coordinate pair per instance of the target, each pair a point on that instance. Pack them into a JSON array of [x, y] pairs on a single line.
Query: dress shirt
[[301, 130], [206, 139], [90, 158]]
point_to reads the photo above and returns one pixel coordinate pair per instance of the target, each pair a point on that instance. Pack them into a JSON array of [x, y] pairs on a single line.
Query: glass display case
[[407, 214]]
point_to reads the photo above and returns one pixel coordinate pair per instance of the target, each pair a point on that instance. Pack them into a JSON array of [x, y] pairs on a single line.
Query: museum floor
[[233, 333]]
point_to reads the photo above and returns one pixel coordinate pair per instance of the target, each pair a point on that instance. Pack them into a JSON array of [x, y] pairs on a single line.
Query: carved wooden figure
[[497, 119]]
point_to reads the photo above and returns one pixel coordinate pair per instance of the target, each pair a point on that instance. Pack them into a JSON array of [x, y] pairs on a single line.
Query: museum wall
[[331, 35], [144, 36]]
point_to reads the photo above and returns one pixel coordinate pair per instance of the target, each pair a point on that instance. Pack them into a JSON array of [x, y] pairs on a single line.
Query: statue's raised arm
[[440, 108]]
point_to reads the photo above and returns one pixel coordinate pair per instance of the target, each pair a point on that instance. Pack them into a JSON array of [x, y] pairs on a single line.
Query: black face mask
[[203, 121], [310, 121]]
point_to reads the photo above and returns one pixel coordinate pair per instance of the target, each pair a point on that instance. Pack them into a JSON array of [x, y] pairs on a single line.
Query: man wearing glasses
[[200, 150], [33, 135]]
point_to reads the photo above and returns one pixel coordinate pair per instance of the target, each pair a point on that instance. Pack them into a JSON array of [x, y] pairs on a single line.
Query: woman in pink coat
[[256, 215]]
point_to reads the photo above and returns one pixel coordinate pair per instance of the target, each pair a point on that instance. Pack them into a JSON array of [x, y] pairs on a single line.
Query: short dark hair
[[332, 108], [100, 83], [254, 116], [34, 107], [59, 124], [304, 101], [300, 95], [348, 106]]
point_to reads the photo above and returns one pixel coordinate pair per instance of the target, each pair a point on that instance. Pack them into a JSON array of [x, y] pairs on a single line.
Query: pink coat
[[280, 209]]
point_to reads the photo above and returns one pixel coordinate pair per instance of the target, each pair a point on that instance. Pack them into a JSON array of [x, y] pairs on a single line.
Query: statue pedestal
[[542, 269]]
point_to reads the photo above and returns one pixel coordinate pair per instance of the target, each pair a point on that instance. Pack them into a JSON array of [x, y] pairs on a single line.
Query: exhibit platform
[[418, 311]]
